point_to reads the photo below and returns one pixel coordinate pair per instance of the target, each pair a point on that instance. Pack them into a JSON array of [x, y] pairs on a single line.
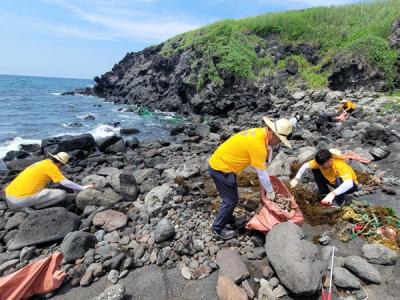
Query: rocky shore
[[154, 203]]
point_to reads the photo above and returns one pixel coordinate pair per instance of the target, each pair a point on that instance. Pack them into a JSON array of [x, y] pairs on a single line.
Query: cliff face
[[183, 80]]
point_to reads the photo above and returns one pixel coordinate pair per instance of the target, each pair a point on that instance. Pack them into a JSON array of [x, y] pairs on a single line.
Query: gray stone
[[9, 256], [94, 270], [164, 231], [306, 154], [156, 197], [15, 221], [75, 244], [110, 220], [106, 198], [298, 95], [280, 165], [334, 96], [144, 174], [100, 234], [317, 107], [299, 271], [379, 254], [108, 171], [187, 170], [362, 269], [27, 253], [163, 255], [51, 224], [114, 292], [8, 265], [363, 125], [113, 276], [99, 181], [231, 265], [344, 279]]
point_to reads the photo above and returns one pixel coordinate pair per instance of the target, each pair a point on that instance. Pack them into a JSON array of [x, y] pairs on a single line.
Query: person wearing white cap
[[29, 187], [246, 148]]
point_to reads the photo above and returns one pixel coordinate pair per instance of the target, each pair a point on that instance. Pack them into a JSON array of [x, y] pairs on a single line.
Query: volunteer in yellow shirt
[[246, 148], [330, 170], [29, 187]]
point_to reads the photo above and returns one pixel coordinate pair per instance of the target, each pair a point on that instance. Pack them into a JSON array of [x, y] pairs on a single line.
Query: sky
[[85, 38]]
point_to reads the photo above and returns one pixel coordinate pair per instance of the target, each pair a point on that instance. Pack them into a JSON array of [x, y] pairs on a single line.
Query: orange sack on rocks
[[270, 214], [39, 277]]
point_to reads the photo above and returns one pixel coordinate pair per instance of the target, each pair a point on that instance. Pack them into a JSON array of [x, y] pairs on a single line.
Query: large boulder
[[362, 269], [48, 225], [280, 165], [379, 254], [108, 197], [75, 245], [69, 143], [106, 142], [18, 165], [300, 271], [156, 197]]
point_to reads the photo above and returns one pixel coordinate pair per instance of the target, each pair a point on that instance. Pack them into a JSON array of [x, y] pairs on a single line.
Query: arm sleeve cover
[[263, 177], [71, 185], [344, 187], [301, 171]]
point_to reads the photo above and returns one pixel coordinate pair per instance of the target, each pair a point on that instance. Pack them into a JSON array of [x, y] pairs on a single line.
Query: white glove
[[89, 186], [294, 182], [328, 199], [271, 196]]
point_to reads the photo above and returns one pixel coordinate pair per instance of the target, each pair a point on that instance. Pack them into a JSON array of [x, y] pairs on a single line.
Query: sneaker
[[224, 234]]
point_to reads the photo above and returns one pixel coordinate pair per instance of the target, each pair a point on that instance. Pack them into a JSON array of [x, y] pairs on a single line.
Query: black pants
[[323, 188], [227, 188]]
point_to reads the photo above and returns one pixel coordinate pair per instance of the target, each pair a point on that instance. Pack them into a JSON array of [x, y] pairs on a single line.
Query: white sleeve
[[71, 185], [263, 177], [301, 171], [344, 187]]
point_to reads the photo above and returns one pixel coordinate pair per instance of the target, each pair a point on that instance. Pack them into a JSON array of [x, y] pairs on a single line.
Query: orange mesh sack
[[270, 214]]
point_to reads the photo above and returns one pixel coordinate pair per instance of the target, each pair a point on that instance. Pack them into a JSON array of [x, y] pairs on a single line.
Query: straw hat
[[62, 157], [282, 128]]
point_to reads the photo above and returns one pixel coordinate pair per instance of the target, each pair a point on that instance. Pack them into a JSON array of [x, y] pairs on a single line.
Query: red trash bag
[[270, 214], [39, 277]]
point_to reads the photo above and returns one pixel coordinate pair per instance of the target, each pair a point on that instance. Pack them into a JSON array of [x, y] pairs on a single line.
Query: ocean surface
[[31, 109]]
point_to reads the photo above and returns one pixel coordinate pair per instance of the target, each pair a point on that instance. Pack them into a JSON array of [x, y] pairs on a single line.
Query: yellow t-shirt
[[34, 178], [347, 106], [245, 148], [339, 169]]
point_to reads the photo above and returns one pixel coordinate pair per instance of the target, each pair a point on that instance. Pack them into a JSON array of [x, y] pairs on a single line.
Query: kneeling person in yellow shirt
[[246, 148], [28, 188], [329, 170]]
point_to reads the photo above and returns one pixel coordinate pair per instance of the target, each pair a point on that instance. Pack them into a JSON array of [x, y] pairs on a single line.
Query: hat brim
[[271, 126], [56, 158]]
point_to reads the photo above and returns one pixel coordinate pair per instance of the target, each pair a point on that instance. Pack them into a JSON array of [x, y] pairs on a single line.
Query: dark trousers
[[227, 188], [323, 188]]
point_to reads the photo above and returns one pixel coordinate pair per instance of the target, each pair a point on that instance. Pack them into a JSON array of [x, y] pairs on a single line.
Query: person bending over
[[29, 187], [246, 148], [329, 171]]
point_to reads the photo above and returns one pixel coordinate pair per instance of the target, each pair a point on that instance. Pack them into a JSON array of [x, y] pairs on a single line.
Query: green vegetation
[[352, 31]]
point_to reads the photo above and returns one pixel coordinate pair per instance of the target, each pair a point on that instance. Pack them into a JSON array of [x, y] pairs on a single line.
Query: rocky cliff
[[226, 68]]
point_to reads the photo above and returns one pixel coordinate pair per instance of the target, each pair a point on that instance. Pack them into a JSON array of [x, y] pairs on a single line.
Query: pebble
[[113, 276]]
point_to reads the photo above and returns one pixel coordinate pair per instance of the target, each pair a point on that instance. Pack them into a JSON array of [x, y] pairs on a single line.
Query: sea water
[[32, 108]]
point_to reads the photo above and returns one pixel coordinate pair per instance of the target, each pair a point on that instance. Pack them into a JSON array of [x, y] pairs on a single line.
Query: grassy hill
[[359, 31]]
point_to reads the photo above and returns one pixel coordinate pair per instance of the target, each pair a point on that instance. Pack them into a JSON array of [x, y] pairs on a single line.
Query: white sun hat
[[282, 129], [62, 157]]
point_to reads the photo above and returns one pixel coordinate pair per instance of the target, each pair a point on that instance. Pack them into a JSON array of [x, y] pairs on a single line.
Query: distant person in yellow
[[330, 170], [246, 148], [29, 187]]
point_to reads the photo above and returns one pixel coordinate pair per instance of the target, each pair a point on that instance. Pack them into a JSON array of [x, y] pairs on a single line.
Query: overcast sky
[[85, 38]]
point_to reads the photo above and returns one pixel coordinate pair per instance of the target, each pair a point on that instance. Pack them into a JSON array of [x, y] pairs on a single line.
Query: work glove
[[89, 186], [294, 182], [327, 201], [271, 195]]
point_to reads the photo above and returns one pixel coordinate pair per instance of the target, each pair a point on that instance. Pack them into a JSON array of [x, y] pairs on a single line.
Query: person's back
[[34, 178], [245, 148]]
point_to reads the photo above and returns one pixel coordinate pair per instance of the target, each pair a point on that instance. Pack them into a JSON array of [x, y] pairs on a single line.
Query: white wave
[[56, 94], [104, 131], [14, 145]]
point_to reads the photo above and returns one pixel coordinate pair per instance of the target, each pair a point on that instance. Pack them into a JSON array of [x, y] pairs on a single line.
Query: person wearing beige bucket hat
[[246, 148], [29, 187]]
